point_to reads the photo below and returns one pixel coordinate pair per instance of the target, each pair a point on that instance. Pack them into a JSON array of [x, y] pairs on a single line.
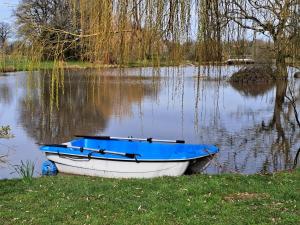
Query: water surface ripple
[[253, 125]]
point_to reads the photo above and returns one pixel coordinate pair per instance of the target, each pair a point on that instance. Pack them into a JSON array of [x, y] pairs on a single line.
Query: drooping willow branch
[[81, 35], [122, 31]]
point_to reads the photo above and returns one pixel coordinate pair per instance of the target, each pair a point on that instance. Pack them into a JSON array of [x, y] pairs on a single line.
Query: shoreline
[[45, 65], [15, 66]]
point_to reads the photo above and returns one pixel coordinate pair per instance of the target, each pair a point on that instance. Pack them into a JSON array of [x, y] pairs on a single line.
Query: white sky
[[6, 9]]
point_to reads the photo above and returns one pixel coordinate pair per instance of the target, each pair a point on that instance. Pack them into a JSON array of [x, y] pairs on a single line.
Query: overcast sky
[[6, 8]]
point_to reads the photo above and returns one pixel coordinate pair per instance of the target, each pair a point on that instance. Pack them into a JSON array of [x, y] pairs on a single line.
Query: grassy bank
[[24, 65], [14, 66], [198, 199], [11, 64]]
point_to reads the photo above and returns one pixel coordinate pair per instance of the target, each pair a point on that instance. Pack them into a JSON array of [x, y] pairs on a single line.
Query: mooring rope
[[296, 159], [212, 160]]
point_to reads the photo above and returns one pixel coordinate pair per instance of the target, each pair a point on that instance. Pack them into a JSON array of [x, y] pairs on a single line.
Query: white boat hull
[[117, 169]]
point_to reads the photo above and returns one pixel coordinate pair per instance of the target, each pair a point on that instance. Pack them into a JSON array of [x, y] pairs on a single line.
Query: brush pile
[[254, 74]]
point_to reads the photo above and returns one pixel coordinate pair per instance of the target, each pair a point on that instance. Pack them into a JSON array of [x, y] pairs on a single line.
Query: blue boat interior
[[143, 150]]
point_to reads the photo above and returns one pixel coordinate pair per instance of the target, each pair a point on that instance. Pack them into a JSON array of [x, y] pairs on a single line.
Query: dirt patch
[[244, 196], [254, 74]]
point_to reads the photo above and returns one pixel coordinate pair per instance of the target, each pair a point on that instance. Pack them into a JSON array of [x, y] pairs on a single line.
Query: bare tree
[[277, 19], [5, 32], [37, 21]]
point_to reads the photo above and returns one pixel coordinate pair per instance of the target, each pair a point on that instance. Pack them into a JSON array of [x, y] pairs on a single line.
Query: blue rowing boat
[[127, 157]]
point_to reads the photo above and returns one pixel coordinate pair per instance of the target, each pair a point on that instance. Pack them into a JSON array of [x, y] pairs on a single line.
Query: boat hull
[[126, 159], [117, 169]]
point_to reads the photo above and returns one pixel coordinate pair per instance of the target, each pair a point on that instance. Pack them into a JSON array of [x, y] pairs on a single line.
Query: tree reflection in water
[[5, 93], [271, 143], [82, 104], [253, 126]]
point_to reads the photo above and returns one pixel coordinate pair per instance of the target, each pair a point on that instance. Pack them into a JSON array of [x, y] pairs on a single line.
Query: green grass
[[5, 132], [12, 65], [25, 170], [198, 199]]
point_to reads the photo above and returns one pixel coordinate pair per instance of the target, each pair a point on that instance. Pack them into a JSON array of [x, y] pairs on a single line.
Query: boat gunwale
[[130, 160]]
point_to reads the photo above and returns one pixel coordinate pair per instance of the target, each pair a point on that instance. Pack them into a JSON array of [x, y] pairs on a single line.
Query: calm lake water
[[254, 126]]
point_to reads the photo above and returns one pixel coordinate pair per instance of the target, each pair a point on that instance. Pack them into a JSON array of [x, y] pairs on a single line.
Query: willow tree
[[210, 27], [132, 29], [108, 31], [121, 31]]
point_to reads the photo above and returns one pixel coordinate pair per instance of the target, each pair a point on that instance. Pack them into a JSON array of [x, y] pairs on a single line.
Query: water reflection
[[253, 90], [82, 104], [274, 129], [268, 142], [5, 93], [254, 126]]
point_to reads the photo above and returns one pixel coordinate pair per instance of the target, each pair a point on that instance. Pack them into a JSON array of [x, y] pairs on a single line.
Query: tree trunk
[[281, 87], [281, 69]]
